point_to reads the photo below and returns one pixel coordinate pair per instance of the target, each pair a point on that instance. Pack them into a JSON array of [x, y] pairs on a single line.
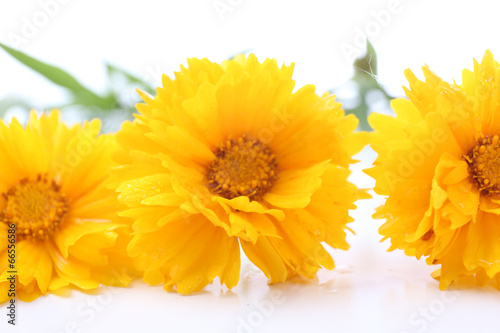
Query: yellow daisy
[[227, 155], [438, 165], [53, 197]]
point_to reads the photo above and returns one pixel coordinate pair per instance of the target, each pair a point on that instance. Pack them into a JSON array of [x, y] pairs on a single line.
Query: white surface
[[370, 290]]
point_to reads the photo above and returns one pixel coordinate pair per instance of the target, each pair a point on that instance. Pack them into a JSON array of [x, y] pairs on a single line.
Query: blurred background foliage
[[360, 95], [363, 93]]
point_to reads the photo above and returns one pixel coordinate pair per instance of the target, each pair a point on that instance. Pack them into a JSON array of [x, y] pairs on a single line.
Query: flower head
[[53, 198], [227, 155], [438, 165]]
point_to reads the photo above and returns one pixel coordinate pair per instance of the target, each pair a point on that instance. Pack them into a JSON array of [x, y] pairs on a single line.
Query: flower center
[[484, 164], [35, 207], [243, 167]]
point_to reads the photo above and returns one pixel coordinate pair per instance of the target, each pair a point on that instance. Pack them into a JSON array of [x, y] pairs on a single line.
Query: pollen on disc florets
[[36, 207], [484, 164], [243, 167]]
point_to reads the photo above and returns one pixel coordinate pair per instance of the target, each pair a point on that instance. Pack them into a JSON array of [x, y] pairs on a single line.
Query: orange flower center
[[243, 167], [484, 164], [36, 207]]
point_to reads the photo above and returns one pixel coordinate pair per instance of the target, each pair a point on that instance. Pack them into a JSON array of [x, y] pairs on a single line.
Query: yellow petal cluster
[[54, 196], [438, 165], [229, 156]]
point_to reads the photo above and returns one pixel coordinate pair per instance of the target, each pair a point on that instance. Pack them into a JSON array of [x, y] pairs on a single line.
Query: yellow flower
[[226, 155], [438, 165], [53, 196]]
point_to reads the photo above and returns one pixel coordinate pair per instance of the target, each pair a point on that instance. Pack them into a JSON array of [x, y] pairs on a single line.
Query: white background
[[370, 290]]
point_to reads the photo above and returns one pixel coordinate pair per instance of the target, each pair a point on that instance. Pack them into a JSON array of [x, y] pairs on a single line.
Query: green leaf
[[365, 68], [365, 77], [81, 94], [131, 78], [368, 63]]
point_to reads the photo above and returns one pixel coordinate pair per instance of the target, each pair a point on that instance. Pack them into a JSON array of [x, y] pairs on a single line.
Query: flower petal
[[264, 256], [294, 188]]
